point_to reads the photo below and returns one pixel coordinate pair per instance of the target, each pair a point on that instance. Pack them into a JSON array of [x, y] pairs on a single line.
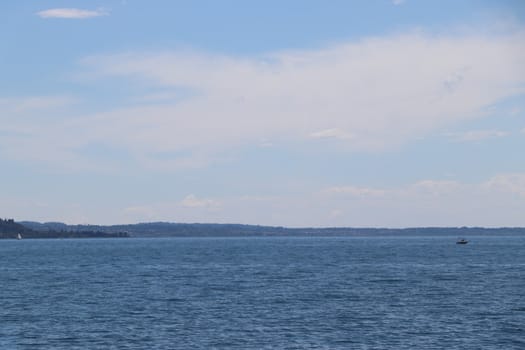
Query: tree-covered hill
[[168, 229], [10, 229]]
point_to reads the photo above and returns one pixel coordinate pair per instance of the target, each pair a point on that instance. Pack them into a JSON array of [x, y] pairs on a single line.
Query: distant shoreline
[[167, 229]]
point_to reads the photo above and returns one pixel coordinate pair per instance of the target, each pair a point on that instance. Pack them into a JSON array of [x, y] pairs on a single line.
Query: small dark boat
[[462, 241]]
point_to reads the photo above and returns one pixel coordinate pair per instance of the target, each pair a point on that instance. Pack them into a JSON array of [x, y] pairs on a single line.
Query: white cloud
[[476, 135], [497, 201], [368, 95], [398, 2], [10, 105], [191, 201], [433, 187], [331, 133], [502, 183], [511, 183], [165, 96], [452, 81], [384, 90], [420, 189], [72, 13], [265, 144], [353, 191]]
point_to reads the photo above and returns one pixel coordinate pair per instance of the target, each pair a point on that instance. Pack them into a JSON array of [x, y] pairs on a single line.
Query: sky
[[380, 113]]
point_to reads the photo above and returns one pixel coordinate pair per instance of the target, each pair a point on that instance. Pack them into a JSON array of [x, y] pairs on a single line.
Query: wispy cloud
[[398, 2], [354, 191], [511, 183], [430, 202], [331, 133], [338, 92], [72, 13], [191, 201], [419, 189], [495, 201], [190, 209], [476, 135], [368, 95], [33, 103]]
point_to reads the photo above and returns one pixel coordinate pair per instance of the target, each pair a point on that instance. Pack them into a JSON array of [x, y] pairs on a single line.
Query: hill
[[167, 229], [9, 229]]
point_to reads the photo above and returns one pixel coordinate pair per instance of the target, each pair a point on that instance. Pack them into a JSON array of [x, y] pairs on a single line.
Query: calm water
[[263, 293]]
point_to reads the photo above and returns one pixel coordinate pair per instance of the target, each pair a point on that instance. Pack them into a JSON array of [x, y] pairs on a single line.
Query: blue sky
[[294, 113]]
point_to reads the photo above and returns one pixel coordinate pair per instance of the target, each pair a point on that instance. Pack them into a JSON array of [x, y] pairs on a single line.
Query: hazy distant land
[[30, 229], [9, 229]]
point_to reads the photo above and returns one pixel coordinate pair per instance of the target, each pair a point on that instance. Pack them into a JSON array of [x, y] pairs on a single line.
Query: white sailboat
[[18, 236]]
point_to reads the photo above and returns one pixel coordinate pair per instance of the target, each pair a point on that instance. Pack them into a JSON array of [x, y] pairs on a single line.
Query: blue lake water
[[263, 293]]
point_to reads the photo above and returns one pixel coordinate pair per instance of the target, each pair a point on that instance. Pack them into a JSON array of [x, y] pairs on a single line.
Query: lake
[[263, 293]]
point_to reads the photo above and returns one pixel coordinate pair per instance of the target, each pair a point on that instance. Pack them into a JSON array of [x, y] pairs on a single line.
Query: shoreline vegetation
[[9, 229]]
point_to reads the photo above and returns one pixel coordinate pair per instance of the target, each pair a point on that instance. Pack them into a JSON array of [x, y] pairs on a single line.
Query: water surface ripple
[[263, 293]]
